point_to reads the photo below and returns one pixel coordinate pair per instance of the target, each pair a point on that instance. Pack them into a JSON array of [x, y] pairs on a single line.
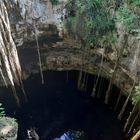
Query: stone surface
[[61, 52], [64, 57], [38, 13], [8, 128]]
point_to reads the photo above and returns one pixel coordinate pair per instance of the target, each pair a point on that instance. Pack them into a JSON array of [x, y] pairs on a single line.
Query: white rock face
[[39, 12], [8, 129]]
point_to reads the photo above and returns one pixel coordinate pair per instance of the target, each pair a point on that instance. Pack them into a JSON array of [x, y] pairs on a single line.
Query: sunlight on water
[[72, 135]]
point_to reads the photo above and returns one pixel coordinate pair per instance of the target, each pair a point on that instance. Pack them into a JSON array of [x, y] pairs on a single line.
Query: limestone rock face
[[39, 13], [8, 128], [59, 51]]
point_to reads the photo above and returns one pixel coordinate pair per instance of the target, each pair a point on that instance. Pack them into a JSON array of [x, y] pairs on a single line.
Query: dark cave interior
[[57, 107]]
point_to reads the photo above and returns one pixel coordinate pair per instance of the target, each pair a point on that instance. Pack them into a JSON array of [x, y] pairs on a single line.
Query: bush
[[89, 19], [54, 2], [2, 112]]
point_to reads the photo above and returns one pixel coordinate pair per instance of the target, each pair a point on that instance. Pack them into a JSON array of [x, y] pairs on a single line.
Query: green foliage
[[70, 22], [134, 2], [54, 2], [2, 112], [110, 39], [136, 94], [126, 17], [137, 32], [92, 20], [129, 18], [13, 121], [4, 119]]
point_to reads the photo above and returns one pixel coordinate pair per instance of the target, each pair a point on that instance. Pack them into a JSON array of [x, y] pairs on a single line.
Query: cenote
[[79, 65], [57, 109]]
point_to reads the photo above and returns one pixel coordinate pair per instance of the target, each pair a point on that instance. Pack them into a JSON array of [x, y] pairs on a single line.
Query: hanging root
[[83, 85], [126, 102], [130, 116], [100, 88], [134, 121], [4, 80], [8, 52], [86, 84], [95, 86], [39, 57], [80, 79], [15, 96], [118, 100], [136, 136]]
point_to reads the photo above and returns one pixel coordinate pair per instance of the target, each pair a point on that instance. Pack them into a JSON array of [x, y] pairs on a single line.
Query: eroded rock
[[8, 128]]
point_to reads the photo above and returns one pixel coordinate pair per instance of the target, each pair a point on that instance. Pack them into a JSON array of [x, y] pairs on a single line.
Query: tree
[[136, 102], [8, 53]]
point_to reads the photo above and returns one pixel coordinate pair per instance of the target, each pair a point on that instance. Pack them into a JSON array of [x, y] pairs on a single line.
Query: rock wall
[[39, 13], [62, 56], [8, 128], [61, 52]]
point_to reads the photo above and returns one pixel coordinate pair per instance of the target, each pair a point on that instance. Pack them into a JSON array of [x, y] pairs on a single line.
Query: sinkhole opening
[[58, 110]]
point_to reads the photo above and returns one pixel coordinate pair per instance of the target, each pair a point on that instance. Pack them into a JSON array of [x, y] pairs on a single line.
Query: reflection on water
[[72, 135]]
